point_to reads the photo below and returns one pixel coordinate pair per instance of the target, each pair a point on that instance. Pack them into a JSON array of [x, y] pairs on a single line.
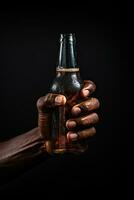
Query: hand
[[83, 114]]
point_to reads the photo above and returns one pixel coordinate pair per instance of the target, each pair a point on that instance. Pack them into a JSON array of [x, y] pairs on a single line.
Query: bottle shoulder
[[67, 84]]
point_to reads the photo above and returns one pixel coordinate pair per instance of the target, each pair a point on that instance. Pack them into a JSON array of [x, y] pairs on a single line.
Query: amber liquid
[[69, 84], [60, 143]]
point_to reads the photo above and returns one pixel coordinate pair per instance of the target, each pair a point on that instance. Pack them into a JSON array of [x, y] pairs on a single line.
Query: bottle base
[[73, 150]]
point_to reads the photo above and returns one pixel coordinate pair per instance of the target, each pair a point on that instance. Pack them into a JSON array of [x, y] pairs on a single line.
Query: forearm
[[22, 148]]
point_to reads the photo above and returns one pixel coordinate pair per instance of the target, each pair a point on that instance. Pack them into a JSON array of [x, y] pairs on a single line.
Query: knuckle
[[97, 102], [92, 86], [90, 132], [87, 133], [39, 103], [93, 131], [96, 117], [82, 120], [86, 120]]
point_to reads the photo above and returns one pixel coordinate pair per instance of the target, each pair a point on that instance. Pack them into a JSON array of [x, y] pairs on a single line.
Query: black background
[[29, 43]]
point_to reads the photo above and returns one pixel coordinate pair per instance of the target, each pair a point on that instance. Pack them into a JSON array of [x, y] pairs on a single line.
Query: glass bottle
[[69, 83]]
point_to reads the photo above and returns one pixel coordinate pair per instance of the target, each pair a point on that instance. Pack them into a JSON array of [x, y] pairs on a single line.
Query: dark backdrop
[[29, 43]]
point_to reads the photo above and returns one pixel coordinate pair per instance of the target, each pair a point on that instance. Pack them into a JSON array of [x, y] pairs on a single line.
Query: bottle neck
[[67, 52]]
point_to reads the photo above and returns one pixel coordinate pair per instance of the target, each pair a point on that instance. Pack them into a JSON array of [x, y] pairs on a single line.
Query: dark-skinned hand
[[83, 114]]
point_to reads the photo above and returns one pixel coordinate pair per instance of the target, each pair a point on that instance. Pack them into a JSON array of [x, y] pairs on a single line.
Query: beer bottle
[[69, 83]]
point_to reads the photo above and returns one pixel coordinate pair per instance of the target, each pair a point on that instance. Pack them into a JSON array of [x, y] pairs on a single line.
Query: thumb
[[50, 101], [44, 106]]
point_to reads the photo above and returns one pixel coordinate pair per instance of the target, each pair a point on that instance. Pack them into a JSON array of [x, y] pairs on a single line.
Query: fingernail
[[60, 100], [71, 124], [86, 93], [72, 136], [76, 110]]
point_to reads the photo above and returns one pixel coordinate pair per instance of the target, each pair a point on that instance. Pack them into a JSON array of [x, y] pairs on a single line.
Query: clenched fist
[[83, 115]]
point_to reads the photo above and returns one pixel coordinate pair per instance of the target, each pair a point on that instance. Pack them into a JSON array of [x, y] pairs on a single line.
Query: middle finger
[[82, 121], [85, 107]]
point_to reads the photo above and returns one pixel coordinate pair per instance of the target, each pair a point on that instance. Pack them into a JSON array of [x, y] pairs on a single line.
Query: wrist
[[24, 147]]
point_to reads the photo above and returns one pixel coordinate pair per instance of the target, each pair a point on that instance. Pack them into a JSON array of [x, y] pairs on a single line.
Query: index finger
[[88, 88]]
